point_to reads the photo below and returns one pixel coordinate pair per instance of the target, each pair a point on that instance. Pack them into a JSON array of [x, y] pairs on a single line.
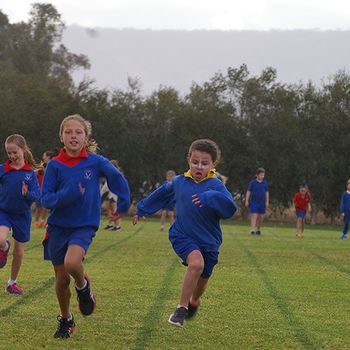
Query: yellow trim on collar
[[211, 174]]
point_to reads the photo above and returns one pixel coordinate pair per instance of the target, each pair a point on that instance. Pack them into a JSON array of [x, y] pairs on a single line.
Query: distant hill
[[178, 58]]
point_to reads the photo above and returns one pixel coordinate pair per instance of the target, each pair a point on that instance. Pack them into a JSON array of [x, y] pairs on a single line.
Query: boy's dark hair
[[207, 146], [259, 171]]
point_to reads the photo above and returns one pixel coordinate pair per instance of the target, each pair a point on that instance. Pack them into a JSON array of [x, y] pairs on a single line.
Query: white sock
[[85, 284], [10, 282], [70, 317]]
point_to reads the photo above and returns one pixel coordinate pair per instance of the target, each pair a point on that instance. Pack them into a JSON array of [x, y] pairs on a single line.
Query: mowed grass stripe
[[34, 293], [298, 327], [152, 319]]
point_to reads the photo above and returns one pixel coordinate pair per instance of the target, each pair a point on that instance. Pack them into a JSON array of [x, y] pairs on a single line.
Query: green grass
[[268, 292]]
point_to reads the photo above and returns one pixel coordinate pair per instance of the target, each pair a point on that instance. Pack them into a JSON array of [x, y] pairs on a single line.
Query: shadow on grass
[[297, 326], [28, 297], [152, 318]]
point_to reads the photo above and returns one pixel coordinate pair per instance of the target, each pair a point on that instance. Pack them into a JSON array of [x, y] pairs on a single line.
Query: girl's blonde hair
[[21, 142], [91, 144]]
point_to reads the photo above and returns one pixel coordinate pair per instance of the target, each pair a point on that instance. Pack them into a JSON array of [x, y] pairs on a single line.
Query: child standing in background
[[345, 210], [257, 199], [201, 200], [40, 213], [302, 205], [71, 190], [114, 224], [19, 189], [170, 207]]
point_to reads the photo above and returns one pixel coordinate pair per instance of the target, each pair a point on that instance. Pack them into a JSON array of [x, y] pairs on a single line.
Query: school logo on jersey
[[88, 174], [27, 177]]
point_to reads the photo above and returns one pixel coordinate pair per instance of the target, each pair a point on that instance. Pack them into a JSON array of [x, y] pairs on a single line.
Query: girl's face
[[260, 176], [73, 137], [15, 154], [348, 186], [302, 191], [200, 163]]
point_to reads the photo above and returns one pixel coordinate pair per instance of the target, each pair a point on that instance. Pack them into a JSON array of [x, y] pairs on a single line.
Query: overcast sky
[[195, 14]]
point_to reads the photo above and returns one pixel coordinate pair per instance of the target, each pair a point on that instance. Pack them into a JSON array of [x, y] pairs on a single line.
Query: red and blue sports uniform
[[14, 207], [301, 204], [75, 216]]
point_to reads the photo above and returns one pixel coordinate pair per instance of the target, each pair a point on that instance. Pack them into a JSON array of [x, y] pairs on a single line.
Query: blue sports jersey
[[345, 203], [200, 223], [11, 198], [70, 208], [258, 192]]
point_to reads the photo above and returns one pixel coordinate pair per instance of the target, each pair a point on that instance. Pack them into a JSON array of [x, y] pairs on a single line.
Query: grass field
[[268, 292]]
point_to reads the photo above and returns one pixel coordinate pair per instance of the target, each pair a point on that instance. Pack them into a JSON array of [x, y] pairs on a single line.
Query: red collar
[[66, 159], [8, 167]]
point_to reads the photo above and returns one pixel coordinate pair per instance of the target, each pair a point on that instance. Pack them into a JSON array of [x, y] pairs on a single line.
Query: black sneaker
[[65, 328], [108, 227], [192, 310], [178, 317], [87, 300], [258, 233], [114, 228], [252, 232]]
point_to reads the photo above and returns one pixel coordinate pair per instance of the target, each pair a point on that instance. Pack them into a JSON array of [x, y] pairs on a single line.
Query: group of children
[[70, 190]]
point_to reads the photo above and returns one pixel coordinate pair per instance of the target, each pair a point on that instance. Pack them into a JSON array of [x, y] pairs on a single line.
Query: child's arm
[[247, 197], [220, 200], [267, 199], [51, 198], [157, 200], [117, 184]]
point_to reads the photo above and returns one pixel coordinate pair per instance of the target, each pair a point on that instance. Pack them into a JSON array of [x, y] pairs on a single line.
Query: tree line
[[297, 132]]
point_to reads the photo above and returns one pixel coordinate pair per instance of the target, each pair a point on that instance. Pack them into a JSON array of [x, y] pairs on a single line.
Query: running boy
[[302, 205], [19, 189], [71, 190], [201, 200], [345, 210], [170, 207], [257, 199]]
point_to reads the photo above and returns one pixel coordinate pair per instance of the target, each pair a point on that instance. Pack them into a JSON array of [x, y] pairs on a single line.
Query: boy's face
[[200, 163], [260, 176], [348, 186]]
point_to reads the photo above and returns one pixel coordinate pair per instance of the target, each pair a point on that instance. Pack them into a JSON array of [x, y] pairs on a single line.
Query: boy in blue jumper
[[19, 188], [71, 190], [257, 199], [345, 210], [201, 200]]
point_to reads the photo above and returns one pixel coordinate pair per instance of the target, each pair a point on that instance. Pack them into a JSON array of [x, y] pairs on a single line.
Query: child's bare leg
[[199, 290], [195, 267], [253, 221], [259, 220], [18, 252], [4, 231], [171, 216], [162, 220], [73, 264], [62, 289]]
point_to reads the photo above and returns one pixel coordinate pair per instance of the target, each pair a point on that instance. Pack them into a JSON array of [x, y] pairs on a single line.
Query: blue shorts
[[19, 223], [300, 213], [184, 245], [61, 238], [257, 208]]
